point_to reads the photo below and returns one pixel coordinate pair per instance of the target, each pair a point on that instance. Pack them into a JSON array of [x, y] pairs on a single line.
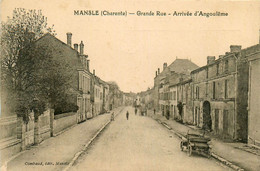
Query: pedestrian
[[180, 107], [127, 115], [154, 111], [112, 116], [135, 111]]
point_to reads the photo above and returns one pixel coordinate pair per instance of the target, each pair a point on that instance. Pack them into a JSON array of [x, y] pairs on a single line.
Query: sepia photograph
[[120, 85]]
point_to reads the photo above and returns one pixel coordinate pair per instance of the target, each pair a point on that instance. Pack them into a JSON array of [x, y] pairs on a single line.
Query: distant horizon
[[129, 49]]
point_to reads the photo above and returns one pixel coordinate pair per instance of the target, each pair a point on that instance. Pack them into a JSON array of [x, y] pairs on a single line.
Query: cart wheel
[[209, 154], [189, 150], [181, 145]]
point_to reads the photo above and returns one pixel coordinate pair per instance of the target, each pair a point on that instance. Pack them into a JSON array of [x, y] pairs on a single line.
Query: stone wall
[[44, 127], [254, 100], [10, 144], [64, 123]]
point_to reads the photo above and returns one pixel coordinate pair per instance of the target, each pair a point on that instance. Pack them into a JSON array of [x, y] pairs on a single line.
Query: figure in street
[[112, 116], [135, 111], [127, 115], [154, 111], [180, 107]]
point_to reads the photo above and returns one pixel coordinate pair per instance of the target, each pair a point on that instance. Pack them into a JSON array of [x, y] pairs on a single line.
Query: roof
[[50, 35], [56, 43], [183, 66]]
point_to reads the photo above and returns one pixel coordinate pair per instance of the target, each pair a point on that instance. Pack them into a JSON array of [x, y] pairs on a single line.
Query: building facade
[[166, 83], [253, 98]]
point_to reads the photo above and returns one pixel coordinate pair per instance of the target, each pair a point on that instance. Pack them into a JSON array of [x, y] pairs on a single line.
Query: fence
[[16, 135]]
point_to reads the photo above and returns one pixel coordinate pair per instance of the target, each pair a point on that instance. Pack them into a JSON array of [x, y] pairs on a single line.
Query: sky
[[129, 49]]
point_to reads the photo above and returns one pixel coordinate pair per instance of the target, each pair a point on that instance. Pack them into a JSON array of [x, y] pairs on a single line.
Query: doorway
[[207, 122]]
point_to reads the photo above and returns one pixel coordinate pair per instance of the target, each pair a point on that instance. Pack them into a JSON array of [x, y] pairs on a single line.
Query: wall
[[242, 98], [9, 142], [221, 106], [63, 123], [254, 101], [44, 126]]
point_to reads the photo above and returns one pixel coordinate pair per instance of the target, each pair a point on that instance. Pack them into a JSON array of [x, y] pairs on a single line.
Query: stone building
[[173, 101], [219, 94], [184, 97], [178, 70], [105, 106], [97, 94], [18, 134], [80, 82], [253, 98]]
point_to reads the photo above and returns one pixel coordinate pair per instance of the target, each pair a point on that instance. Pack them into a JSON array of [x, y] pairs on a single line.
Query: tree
[[52, 79], [17, 35]]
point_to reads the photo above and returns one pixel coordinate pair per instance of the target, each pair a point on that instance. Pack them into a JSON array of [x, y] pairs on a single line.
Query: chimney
[[164, 66], [76, 46], [81, 48], [221, 56], [93, 72], [155, 73], [69, 35], [210, 59], [87, 64], [235, 48], [158, 71]]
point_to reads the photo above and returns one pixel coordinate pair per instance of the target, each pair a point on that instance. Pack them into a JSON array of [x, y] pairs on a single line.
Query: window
[[226, 66], [226, 89], [174, 95], [214, 90], [197, 92], [217, 73]]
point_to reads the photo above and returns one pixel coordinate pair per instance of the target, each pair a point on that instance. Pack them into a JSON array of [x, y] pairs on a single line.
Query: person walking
[[127, 115], [180, 108], [135, 111], [112, 116], [154, 111]]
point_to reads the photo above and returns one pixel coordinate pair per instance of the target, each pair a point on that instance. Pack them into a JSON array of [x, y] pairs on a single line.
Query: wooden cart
[[196, 143]]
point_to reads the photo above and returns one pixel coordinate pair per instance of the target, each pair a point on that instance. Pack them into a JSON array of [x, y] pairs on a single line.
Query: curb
[[226, 162], [76, 156], [164, 124], [215, 156]]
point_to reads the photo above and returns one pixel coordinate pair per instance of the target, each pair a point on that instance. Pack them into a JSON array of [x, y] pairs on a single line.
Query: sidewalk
[[59, 149], [232, 152]]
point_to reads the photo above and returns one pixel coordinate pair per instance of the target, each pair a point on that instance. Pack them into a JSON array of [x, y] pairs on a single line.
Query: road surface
[[140, 143]]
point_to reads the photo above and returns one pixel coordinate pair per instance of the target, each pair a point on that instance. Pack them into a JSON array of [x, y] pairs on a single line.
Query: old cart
[[196, 143]]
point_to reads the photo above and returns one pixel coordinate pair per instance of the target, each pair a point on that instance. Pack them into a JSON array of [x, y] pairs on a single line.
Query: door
[[225, 122], [207, 123]]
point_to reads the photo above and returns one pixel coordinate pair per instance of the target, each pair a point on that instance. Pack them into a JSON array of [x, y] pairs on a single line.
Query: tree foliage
[[50, 79], [17, 36]]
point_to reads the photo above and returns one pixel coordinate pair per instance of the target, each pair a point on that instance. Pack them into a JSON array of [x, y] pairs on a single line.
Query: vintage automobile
[[196, 143]]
